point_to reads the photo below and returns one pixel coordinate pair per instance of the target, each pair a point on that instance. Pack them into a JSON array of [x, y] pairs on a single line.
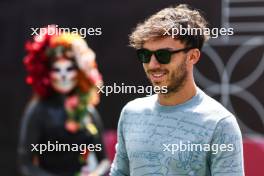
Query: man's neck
[[174, 98]]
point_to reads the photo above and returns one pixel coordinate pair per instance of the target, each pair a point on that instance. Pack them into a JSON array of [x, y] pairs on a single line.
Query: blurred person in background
[[63, 73]]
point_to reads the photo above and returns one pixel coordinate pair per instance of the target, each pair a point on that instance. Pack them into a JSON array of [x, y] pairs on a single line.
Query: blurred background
[[231, 68]]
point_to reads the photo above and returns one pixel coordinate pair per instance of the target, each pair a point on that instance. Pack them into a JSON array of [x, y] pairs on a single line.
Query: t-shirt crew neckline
[[192, 101]]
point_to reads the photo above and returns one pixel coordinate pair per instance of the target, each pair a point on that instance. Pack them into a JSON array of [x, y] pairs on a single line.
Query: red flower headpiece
[[37, 59]]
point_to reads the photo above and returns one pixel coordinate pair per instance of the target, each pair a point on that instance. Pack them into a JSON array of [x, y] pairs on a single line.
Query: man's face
[[174, 74], [63, 76]]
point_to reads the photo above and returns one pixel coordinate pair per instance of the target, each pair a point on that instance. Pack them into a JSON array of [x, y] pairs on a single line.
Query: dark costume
[[44, 121]]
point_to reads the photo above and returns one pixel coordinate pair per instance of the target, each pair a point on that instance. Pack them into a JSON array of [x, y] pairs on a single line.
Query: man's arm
[[120, 165], [228, 160]]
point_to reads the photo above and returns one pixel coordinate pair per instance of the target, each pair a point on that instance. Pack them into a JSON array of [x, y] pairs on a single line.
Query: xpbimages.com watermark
[[56, 30], [182, 147], [128, 89], [59, 147], [177, 29]]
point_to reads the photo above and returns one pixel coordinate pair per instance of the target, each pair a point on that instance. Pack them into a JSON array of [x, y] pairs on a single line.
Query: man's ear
[[194, 55]]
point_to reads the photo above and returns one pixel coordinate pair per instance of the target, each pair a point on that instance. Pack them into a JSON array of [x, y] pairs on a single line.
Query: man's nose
[[153, 63]]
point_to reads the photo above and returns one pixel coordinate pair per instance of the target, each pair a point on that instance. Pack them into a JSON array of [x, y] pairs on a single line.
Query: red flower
[[71, 103], [29, 80], [72, 126]]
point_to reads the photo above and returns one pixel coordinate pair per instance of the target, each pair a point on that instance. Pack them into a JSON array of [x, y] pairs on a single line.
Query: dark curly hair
[[167, 19]]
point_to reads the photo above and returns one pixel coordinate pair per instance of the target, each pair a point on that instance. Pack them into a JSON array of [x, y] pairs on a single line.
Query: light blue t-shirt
[[197, 138]]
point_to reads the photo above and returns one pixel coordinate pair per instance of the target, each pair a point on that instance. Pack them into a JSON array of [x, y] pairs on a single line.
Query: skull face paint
[[63, 76]]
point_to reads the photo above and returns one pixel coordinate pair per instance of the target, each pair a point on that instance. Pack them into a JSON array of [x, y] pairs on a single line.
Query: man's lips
[[157, 76]]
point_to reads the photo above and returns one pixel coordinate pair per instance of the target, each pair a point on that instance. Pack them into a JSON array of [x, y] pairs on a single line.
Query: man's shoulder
[[141, 104], [136, 107], [213, 109]]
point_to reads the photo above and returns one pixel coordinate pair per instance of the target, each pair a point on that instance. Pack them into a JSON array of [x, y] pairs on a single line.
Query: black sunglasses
[[163, 56]]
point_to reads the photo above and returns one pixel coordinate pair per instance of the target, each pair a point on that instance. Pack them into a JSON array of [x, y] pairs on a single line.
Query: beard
[[176, 79]]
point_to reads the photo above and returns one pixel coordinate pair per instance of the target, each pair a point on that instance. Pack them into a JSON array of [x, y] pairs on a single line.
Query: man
[[184, 131]]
